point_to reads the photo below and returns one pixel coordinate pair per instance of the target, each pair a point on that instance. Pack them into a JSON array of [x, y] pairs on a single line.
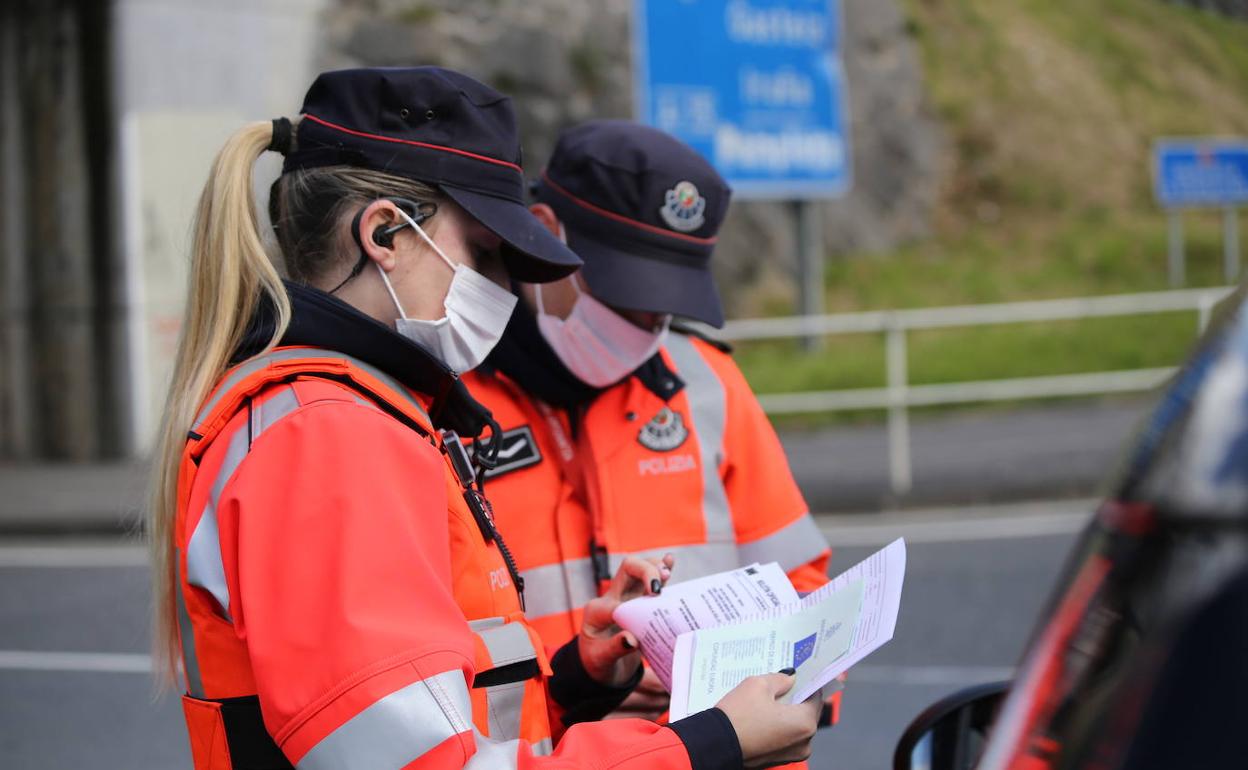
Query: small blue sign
[[756, 86], [1201, 172]]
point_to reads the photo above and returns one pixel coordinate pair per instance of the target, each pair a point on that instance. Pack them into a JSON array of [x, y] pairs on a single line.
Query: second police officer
[[624, 435]]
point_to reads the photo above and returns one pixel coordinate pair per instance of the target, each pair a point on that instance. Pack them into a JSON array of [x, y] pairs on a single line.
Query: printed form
[[707, 602], [820, 635]]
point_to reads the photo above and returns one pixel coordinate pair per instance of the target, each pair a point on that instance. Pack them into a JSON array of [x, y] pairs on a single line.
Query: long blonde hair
[[230, 273], [230, 276]]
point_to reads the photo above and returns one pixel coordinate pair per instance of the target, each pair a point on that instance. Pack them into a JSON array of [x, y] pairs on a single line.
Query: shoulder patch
[[518, 450], [690, 330], [665, 431]]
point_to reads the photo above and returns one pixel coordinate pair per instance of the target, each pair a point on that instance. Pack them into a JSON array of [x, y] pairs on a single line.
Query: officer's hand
[[649, 701], [771, 732], [609, 654]]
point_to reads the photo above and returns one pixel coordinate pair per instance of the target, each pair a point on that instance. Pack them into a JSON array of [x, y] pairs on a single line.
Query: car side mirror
[[951, 733]]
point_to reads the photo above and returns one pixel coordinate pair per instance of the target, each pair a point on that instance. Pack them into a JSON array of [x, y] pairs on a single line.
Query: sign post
[[1176, 260], [1230, 243], [758, 87], [809, 263], [1202, 173]]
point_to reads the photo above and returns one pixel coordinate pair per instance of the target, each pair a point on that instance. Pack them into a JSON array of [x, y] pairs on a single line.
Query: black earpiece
[[384, 236], [419, 212]]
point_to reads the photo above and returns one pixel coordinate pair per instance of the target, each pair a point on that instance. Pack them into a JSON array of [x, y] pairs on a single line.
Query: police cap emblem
[[665, 431], [683, 208]]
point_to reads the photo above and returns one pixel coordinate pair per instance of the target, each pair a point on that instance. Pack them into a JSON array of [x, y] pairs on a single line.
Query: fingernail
[[788, 671], [628, 644], [655, 586]]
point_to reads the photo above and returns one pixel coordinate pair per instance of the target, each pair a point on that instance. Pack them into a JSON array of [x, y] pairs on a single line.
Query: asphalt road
[[968, 457], [73, 636], [971, 456]]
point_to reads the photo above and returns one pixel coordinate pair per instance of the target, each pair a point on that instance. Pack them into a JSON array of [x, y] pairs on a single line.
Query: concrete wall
[[110, 114], [188, 75]]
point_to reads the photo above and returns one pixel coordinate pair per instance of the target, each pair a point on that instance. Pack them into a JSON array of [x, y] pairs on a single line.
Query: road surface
[[75, 692]]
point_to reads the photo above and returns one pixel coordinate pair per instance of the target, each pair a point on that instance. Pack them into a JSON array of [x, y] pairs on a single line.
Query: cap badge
[[683, 208], [665, 431]]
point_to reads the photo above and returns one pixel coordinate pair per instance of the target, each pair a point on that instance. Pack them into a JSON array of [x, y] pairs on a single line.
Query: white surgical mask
[[477, 311], [597, 344]]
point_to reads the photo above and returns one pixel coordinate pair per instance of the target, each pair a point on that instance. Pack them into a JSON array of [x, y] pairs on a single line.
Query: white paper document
[[820, 635], [707, 602]]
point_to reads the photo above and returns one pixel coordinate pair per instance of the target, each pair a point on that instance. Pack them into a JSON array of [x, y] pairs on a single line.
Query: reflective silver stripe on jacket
[[493, 754], [557, 588], [708, 407], [399, 728], [253, 365], [554, 589], [204, 566], [507, 643], [792, 545], [543, 748], [186, 636]]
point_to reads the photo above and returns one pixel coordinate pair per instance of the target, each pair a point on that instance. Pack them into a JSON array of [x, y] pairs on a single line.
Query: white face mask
[[477, 311], [597, 344]]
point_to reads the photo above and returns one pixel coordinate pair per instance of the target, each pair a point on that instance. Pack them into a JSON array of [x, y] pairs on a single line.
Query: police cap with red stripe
[[440, 127], [642, 209]]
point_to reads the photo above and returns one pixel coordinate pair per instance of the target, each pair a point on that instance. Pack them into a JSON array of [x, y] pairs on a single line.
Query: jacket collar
[[323, 321]]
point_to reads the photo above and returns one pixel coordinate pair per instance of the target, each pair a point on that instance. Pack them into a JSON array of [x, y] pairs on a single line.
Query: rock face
[[565, 61]]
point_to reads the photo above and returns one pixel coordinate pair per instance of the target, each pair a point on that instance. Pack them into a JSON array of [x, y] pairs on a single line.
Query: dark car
[[1141, 658]]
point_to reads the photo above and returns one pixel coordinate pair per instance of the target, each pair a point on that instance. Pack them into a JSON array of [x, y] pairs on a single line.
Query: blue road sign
[[757, 86], [1201, 172]]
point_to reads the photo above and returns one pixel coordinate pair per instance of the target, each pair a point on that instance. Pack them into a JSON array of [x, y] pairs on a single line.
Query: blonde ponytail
[[230, 274]]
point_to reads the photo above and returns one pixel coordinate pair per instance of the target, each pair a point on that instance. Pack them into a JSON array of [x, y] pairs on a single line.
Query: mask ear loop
[[390, 288], [537, 293], [423, 212], [425, 236]]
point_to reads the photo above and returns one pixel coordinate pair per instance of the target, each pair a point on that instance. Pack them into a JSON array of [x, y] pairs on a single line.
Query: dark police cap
[[436, 126], [642, 209]]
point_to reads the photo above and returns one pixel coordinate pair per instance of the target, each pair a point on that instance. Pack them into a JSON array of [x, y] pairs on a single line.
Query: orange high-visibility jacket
[[697, 471], [334, 583]]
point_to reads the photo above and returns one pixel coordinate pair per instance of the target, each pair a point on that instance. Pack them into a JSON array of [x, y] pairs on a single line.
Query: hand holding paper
[[708, 602], [736, 624]]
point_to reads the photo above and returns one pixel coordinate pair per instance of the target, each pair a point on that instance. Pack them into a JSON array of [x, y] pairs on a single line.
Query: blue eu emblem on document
[[803, 650]]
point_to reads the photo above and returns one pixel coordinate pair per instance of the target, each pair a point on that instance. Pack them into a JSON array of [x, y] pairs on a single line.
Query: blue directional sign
[[1201, 172], [757, 86]]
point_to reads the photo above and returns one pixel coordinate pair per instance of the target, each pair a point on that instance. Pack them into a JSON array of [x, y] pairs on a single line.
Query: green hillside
[[1049, 110]]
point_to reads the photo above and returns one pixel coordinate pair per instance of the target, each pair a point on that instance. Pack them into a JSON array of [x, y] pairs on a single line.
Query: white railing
[[900, 395]]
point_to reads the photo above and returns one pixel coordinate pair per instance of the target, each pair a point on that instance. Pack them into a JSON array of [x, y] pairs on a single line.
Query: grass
[[973, 353], [1050, 110], [1091, 260]]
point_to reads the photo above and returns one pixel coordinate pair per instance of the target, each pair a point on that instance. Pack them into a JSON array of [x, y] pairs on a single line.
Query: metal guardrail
[[900, 395]]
